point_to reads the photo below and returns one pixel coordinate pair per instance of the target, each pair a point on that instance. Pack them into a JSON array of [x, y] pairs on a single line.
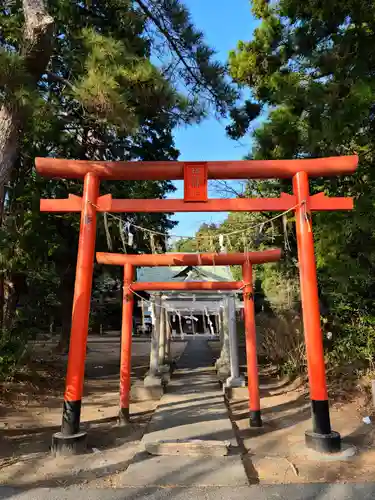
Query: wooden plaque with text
[[195, 182]]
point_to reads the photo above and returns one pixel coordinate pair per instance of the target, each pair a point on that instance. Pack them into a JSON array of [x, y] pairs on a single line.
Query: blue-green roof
[[201, 273]]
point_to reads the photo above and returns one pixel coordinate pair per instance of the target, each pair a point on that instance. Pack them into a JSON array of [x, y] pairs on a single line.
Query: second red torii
[[246, 260]]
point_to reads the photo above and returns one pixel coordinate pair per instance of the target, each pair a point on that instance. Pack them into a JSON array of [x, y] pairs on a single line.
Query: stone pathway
[[190, 432], [323, 491]]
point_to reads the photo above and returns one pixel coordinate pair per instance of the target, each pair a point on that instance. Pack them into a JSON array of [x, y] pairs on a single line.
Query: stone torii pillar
[[162, 334], [223, 363], [235, 379], [164, 367], [168, 352], [153, 378]]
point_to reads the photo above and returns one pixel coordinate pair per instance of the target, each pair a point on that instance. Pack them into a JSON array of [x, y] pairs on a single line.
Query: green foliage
[[101, 97], [13, 72], [116, 80], [310, 67], [355, 342], [185, 245], [241, 117], [281, 340], [191, 60], [102, 58], [12, 349]]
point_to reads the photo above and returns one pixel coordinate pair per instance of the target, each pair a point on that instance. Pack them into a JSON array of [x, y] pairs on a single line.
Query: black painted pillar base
[[71, 418], [322, 438], [255, 418], [124, 416], [71, 440], [74, 444], [324, 443]]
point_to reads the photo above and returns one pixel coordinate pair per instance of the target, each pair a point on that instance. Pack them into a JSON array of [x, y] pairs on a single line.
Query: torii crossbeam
[[196, 175]]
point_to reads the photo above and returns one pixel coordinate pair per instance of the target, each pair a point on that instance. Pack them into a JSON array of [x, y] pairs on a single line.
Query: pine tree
[[310, 70], [97, 94], [97, 54]]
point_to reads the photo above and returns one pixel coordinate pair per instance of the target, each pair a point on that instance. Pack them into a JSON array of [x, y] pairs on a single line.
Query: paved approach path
[[192, 409], [322, 491], [194, 380]]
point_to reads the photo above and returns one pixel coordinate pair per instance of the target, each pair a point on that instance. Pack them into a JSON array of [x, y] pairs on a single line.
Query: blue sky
[[224, 24]]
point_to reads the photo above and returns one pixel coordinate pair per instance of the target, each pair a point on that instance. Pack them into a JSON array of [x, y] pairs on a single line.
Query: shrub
[[281, 340]]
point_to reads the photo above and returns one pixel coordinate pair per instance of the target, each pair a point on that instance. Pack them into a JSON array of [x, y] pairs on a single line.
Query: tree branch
[[37, 38], [174, 46], [222, 186], [56, 78]]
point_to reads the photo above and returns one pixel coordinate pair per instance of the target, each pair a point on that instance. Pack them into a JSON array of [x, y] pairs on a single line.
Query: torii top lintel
[[189, 259], [174, 170]]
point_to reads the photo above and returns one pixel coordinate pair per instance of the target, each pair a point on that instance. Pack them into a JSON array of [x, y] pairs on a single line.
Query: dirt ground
[[277, 454], [30, 412]]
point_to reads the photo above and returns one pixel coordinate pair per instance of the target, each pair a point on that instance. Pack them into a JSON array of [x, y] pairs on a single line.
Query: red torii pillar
[[197, 173], [126, 343], [251, 346], [80, 319], [321, 437]]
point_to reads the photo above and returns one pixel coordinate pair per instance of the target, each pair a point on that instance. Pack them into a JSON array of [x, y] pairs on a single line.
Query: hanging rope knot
[[303, 205], [128, 295], [93, 204], [306, 214], [244, 285]]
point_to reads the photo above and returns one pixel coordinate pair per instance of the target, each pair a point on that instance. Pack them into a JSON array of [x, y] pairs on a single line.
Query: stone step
[[188, 447]]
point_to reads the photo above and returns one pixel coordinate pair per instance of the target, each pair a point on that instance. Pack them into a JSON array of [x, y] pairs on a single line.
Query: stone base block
[[236, 393], [189, 447], [152, 380], [150, 393], [235, 382]]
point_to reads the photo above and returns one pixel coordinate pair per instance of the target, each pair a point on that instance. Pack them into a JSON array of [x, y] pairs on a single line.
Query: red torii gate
[[246, 260], [195, 175]]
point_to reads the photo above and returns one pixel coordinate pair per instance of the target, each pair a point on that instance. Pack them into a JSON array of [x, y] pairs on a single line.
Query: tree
[[84, 48], [20, 70], [189, 59], [310, 68], [99, 96]]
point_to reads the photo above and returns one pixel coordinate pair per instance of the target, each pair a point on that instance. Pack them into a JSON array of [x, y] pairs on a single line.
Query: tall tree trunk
[[2, 283], [66, 298], [8, 143], [1, 300], [36, 50], [15, 286], [66, 321]]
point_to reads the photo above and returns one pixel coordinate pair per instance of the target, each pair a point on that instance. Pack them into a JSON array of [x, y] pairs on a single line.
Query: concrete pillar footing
[[152, 380], [74, 444], [235, 382]]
